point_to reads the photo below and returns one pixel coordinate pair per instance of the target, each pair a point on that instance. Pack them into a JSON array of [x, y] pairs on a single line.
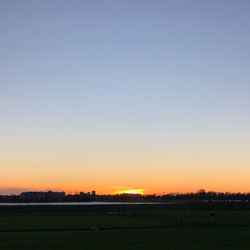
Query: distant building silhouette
[[42, 196]]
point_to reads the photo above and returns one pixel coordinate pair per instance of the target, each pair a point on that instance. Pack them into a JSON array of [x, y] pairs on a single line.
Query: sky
[[107, 95]]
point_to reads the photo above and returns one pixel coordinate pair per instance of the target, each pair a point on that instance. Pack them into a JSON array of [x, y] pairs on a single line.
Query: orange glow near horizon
[[144, 190], [111, 174], [109, 170]]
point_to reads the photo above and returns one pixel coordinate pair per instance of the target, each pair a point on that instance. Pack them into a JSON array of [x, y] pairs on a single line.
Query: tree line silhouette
[[51, 196]]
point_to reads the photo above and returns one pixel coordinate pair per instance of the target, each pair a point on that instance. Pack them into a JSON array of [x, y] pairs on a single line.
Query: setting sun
[[130, 191]]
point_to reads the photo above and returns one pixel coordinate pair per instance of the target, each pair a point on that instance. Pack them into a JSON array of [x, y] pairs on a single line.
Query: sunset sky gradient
[[143, 94]]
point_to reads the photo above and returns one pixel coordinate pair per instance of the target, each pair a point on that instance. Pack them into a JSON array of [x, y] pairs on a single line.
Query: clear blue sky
[[138, 81]]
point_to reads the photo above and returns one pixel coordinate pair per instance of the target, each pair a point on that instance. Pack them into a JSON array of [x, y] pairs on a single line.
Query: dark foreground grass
[[172, 238], [126, 228]]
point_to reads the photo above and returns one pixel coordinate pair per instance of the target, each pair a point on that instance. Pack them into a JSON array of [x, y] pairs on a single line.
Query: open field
[[124, 227]]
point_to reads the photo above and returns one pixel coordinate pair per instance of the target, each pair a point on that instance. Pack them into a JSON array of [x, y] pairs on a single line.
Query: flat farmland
[[124, 227]]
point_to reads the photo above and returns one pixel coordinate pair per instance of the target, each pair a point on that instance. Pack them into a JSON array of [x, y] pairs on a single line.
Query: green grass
[[71, 220], [185, 238], [126, 229]]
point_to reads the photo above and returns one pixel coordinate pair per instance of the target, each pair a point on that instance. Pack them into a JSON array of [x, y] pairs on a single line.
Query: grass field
[[125, 227]]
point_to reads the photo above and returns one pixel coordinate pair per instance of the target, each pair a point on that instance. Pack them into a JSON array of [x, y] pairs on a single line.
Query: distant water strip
[[95, 203]]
